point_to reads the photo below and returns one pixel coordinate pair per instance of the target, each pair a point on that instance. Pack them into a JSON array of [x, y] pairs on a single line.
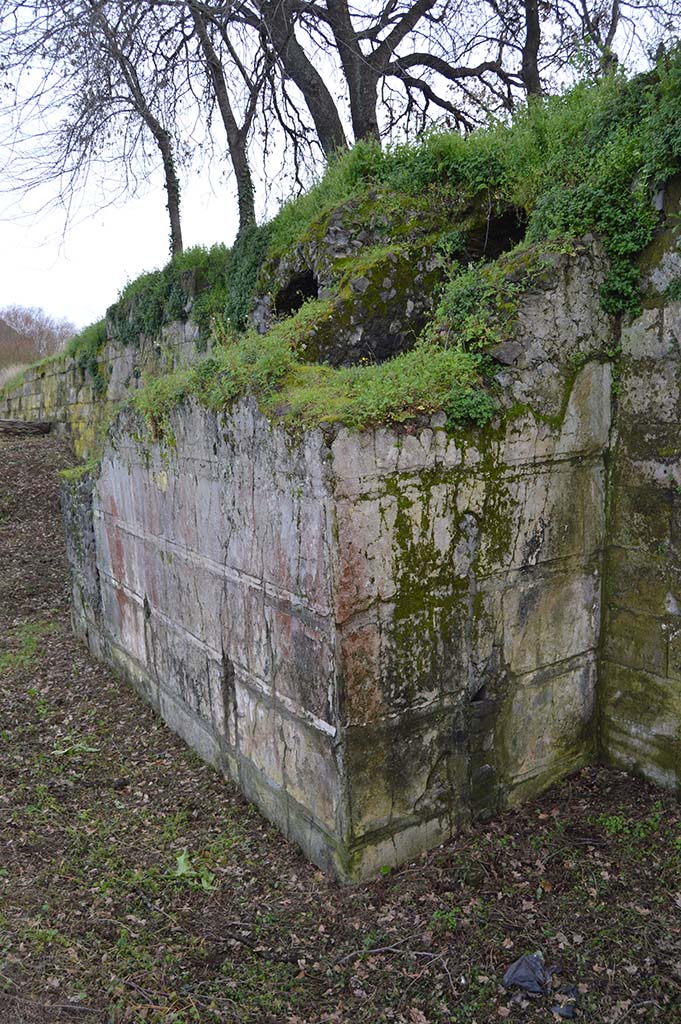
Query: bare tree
[[122, 38], [395, 59], [28, 333], [223, 62], [94, 84], [123, 86], [276, 19]]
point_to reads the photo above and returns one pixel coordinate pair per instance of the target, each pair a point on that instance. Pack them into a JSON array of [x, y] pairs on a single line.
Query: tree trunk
[[172, 191], [359, 72], [530, 67], [363, 88], [303, 73], [24, 428], [236, 138], [161, 137]]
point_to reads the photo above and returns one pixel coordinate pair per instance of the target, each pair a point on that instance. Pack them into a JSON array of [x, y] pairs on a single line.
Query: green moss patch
[[422, 381]]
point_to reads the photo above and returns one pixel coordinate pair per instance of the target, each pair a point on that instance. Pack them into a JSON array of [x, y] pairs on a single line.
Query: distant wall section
[[79, 402]]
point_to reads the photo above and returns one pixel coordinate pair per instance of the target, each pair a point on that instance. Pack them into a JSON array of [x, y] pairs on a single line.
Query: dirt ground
[[138, 885]]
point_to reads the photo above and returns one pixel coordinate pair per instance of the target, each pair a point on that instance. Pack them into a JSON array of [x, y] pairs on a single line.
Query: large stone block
[[378, 634], [639, 722], [548, 726], [550, 620]]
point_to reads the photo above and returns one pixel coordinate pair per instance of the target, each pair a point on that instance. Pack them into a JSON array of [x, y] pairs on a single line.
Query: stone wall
[[640, 676], [80, 403], [378, 634], [465, 686], [383, 634], [369, 631]]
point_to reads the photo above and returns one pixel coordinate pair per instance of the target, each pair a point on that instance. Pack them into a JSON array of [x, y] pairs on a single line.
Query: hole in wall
[[500, 233], [300, 288]]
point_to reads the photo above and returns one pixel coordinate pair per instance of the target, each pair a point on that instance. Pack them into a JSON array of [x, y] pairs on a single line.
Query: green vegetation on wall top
[[425, 380], [586, 162]]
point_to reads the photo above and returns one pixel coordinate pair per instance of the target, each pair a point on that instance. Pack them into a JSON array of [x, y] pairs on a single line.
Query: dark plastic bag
[[530, 974]]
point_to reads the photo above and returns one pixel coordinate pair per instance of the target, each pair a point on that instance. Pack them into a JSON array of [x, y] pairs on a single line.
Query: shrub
[[86, 349]]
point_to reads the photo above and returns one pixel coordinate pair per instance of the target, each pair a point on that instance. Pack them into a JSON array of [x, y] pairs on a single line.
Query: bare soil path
[[136, 885]]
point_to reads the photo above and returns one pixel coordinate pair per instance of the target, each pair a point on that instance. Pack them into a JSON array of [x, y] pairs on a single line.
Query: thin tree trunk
[[172, 191], [530, 67], [161, 137], [236, 138], [363, 101]]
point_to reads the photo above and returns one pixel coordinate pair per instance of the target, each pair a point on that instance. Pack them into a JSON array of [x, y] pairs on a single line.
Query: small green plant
[[425, 380], [196, 876], [618, 825], [371, 940], [614, 824], [446, 920], [86, 348], [76, 473], [673, 290], [244, 263], [192, 283]]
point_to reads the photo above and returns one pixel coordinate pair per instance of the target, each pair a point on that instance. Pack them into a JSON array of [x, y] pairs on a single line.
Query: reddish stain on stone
[[360, 653], [116, 552]]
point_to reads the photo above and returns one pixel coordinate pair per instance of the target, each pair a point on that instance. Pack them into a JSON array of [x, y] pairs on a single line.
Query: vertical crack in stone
[[228, 692], [471, 530]]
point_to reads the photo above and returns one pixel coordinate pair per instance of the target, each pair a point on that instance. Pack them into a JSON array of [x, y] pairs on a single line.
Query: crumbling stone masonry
[[383, 634], [377, 634], [79, 400]]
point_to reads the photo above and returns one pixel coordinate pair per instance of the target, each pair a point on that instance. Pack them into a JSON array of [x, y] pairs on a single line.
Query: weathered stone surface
[[375, 314], [557, 326], [353, 626], [639, 683], [380, 635]]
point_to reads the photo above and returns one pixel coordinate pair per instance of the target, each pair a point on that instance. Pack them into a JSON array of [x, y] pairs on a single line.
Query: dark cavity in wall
[[499, 233], [300, 288]]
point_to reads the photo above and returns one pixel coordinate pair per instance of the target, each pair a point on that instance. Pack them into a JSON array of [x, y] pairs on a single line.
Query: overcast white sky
[[76, 274]]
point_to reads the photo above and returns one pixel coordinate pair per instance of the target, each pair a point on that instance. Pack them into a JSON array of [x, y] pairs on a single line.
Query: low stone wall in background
[[79, 402]]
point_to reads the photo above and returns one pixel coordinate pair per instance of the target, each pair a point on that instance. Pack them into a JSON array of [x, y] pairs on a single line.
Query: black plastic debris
[[568, 1003], [530, 974]]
